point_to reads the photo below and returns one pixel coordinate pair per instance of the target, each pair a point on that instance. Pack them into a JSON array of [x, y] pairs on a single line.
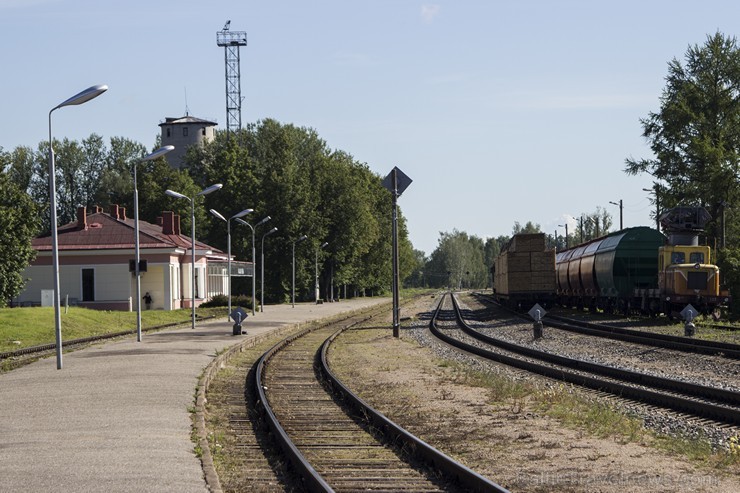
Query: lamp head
[[217, 214], [210, 189], [242, 213], [263, 221], [159, 152], [177, 195], [85, 96]]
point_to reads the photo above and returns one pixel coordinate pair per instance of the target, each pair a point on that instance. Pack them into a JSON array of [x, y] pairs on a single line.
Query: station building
[[96, 255]]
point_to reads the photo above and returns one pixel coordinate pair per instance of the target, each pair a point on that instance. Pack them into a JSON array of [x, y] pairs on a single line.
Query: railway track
[[333, 439], [719, 405], [676, 343]]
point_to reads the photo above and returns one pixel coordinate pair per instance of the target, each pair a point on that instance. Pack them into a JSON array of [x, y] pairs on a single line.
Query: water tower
[[231, 41]]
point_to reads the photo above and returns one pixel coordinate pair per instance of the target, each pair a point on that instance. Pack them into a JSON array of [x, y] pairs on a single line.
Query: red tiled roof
[[104, 231]]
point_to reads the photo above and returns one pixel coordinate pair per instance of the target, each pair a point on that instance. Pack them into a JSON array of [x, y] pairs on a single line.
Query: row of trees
[[283, 171], [464, 261]]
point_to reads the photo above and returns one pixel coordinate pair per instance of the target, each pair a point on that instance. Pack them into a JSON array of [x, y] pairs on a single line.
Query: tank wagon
[[524, 272], [606, 272]]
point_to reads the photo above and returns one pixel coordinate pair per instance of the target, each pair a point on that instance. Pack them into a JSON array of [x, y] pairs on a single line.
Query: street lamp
[[302, 238], [79, 98], [262, 270], [254, 270], [228, 241], [657, 204], [178, 195], [621, 222], [137, 257], [566, 232], [316, 267]]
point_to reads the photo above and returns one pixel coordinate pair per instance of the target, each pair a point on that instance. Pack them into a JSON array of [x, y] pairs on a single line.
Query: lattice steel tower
[[231, 41]]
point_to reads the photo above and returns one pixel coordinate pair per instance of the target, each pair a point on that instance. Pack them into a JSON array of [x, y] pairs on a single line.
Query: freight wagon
[[524, 272]]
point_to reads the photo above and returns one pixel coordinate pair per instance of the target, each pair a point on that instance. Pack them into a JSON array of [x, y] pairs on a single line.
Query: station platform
[[116, 417]]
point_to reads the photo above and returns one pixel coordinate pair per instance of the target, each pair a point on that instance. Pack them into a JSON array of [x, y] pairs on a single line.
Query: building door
[[88, 284]]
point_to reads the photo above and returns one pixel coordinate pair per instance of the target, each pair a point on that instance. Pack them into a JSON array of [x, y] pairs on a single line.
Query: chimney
[[159, 220], [177, 225], [122, 211], [81, 218], [97, 209], [114, 211], [168, 220]]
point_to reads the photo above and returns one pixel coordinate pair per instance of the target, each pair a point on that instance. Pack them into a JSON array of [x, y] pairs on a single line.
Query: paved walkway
[[116, 417]]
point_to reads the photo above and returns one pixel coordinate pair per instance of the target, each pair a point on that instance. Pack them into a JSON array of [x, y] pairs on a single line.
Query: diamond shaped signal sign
[[402, 181], [537, 312]]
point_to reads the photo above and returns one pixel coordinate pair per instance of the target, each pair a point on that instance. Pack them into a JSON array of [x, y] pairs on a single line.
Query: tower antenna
[[231, 41]]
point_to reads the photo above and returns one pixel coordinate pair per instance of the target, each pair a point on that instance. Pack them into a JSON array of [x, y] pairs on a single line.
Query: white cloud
[[429, 12]]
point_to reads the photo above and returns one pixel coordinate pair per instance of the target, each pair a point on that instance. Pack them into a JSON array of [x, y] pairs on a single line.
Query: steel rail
[[312, 479], [721, 395], [467, 478], [666, 341], [682, 404]]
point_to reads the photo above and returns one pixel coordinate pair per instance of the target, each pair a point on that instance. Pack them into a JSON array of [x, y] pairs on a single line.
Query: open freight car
[[524, 272]]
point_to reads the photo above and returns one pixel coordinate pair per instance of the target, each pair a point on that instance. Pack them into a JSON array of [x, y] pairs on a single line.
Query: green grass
[[25, 327]]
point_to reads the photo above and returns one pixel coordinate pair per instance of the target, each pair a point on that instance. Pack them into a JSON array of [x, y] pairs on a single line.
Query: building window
[[184, 131], [168, 132], [88, 284], [203, 131]]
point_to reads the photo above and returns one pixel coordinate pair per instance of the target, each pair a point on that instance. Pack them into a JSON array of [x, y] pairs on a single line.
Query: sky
[[499, 111]]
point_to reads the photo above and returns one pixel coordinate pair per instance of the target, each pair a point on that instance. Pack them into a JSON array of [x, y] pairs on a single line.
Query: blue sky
[[500, 111]]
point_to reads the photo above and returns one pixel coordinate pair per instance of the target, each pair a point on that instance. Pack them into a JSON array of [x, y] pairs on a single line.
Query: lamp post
[[621, 216], [657, 204], [178, 195], [79, 98], [316, 269], [137, 257], [302, 238], [262, 270], [254, 270], [228, 242], [566, 232]]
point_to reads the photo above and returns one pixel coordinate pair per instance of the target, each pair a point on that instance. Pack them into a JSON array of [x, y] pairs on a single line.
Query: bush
[[223, 300], [218, 300]]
